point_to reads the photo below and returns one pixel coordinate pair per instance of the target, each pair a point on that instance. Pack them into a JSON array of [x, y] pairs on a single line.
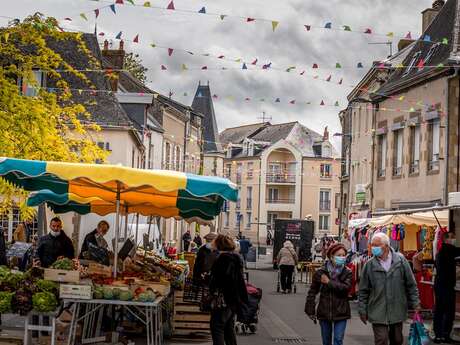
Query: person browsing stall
[[95, 238], [54, 245]]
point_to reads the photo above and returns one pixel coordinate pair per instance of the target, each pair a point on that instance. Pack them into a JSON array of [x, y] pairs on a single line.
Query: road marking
[[275, 326]]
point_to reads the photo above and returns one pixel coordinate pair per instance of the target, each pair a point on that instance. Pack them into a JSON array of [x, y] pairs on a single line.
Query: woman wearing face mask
[[332, 282]]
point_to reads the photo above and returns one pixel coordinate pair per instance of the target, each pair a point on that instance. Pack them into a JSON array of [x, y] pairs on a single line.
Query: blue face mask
[[340, 260], [377, 251]]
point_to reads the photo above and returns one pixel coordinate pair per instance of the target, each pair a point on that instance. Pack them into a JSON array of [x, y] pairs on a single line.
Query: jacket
[[333, 299], [445, 264], [90, 238], [386, 296], [287, 257], [205, 258], [244, 246], [50, 248], [227, 278]]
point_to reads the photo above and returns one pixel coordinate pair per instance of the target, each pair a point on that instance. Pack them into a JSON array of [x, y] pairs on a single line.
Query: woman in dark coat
[[332, 282], [227, 284]]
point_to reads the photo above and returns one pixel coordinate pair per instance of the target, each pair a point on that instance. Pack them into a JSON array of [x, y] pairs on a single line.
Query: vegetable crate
[[62, 276], [75, 291], [188, 320], [95, 268]]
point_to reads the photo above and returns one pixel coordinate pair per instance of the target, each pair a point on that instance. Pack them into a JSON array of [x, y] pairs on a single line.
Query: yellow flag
[[274, 25], [238, 60], [83, 16], [147, 4], [390, 34], [184, 67]]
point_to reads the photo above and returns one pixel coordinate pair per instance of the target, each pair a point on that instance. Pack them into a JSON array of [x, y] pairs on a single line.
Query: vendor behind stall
[[54, 245], [95, 238]]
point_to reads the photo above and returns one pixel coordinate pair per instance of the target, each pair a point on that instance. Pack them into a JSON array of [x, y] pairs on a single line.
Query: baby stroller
[[294, 281], [247, 319]]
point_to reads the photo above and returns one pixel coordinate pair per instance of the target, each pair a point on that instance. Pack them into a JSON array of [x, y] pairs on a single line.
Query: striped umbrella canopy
[[102, 189]]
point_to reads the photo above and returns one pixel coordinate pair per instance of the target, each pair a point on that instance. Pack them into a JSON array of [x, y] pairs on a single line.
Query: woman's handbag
[[211, 301]]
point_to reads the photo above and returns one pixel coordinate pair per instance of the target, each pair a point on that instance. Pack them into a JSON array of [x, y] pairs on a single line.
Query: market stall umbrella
[[170, 192]]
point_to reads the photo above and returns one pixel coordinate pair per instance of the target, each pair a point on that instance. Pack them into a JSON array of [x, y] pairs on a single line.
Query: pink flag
[[368, 31], [308, 27], [170, 51], [204, 67], [171, 6], [250, 19], [119, 2], [254, 62], [409, 36], [96, 11], [163, 68], [329, 78], [136, 39]]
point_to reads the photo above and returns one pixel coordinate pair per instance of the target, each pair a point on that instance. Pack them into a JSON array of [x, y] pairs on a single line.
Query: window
[[324, 222], [249, 198], [238, 219], [326, 171], [325, 200], [412, 63], [227, 219], [239, 170], [414, 149], [273, 194], [167, 161], [337, 200], [228, 170], [433, 145], [397, 152], [271, 217], [250, 170], [238, 202], [382, 155], [248, 220], [32, 88], [151, 154], [347, 162], [177, 157]]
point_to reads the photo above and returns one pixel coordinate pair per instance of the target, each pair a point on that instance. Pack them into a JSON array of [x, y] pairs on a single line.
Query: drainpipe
[[374, 127], [446, 134], [258, 207], [187, 123], [301, 184]]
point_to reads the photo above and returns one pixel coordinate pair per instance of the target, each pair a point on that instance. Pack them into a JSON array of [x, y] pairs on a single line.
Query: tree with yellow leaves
[[37, 122]]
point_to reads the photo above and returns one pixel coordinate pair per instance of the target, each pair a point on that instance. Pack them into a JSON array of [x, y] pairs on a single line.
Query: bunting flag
[[131, 2], [441, 65], [163, 68], [402, 98], [308, 27], [68, 19], [244, 66], [221, 57], [147, 4], [337, 104], [329, 78], [203, 10], [315, 65], [184, 67], [247, 99], [338, 65], [83, 16], [302, 73], [292, 102], [120, 2], [322, 103], [390, 34], [171, 6], [445, 41], [408, 36], [277, 100], [254, 62], [170, 51], [238, 60], [153, 45], [118, 36], [112, 7], [222, 16], [328, 26], [267, 66], [421, 64], [96, 12], [289, 69], [101, 34], [136, 39], [215, 96], [346, 28], [204, 67], [274, 25], [360, 65], [250, 19], [368, 31], [341, 81]]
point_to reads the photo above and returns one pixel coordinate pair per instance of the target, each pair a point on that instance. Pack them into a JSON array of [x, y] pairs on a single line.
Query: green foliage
[[47, 286], [134, 65], [45, 126], [63, 264], [44, 302], [5, 301]]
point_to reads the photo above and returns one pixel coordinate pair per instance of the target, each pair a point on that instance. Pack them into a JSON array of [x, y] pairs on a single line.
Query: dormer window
[[31, 88], [412, 63], [430, 54]]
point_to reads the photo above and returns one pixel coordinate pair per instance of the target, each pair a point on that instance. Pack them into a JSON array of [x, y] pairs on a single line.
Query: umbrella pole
[[137, 226], [117, 233], [126, 225]]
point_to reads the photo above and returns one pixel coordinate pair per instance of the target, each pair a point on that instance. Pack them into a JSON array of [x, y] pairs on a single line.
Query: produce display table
[[148, 313]]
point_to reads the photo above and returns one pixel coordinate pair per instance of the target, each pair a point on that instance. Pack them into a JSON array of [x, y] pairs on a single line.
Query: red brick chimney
[[116, 58], [430, 13]]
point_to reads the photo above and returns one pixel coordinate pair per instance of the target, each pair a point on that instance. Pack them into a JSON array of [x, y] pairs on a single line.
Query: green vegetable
[[116, 293], [5, 301], [47, 286], [98, 293], [63, 264], [44, 302], [126, 296], [108, 293], [148, 296], [12, 281]]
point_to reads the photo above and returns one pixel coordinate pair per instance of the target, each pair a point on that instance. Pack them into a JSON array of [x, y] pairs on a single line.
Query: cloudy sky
[[233, 37]]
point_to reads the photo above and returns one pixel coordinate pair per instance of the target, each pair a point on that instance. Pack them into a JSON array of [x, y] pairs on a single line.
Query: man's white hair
[[383, 237]]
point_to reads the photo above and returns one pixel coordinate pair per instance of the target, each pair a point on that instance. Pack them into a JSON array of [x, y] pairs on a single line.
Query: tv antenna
[[264, 117], [389, 44]]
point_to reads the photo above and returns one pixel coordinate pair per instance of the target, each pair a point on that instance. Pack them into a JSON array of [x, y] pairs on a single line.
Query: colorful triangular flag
[[204, 67], [390, 34], [83, 16], [336, 104], [445, 41], [315, 65], [153, 45], [184, 67], [368, 31], [308, 27], [68, 19], [267, 66], [441, 65], [341, 81], [402, 98], [215, 96], [360, 65], [302, 73], [163, 67], [112, 7], [421, 64], [277, 100], [328, 26], [250, 19], [338, 65], [427, 38], [346, 28], [101, 34], [329, 78], [170, 51], [244, 66], [171, 6], [96, 12], [220, 56], [247, 99], [292, 102], [147, 4], [289, 69], [203, 10], [274, 25], [238, 60], [254, 62], [322, 103], [120, 2], [408, 36], [118, 36], [136, 39], [131, 2], [222, 16]]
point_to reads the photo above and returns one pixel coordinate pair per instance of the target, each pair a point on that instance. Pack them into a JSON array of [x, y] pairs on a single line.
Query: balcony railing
[[279, 201], [433, 165], [325, 205], [414, 168], [249, 174], [397, 171], [280, 178], [248, 204], [326, 176]]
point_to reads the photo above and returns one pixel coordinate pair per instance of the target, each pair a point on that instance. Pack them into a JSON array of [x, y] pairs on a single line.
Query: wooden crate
[[188, 320], [62, 276], [75, 291], [95, 268]]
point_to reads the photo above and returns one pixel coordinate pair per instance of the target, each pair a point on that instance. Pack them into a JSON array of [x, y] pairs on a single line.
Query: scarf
[[334, 271]]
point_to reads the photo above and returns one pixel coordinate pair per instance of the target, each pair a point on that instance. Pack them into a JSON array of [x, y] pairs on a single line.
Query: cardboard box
[[62, 276], [95, 268], [163, 288], [75, 291]]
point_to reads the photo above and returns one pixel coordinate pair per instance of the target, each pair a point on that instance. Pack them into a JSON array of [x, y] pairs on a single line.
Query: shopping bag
[[418, 334]]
